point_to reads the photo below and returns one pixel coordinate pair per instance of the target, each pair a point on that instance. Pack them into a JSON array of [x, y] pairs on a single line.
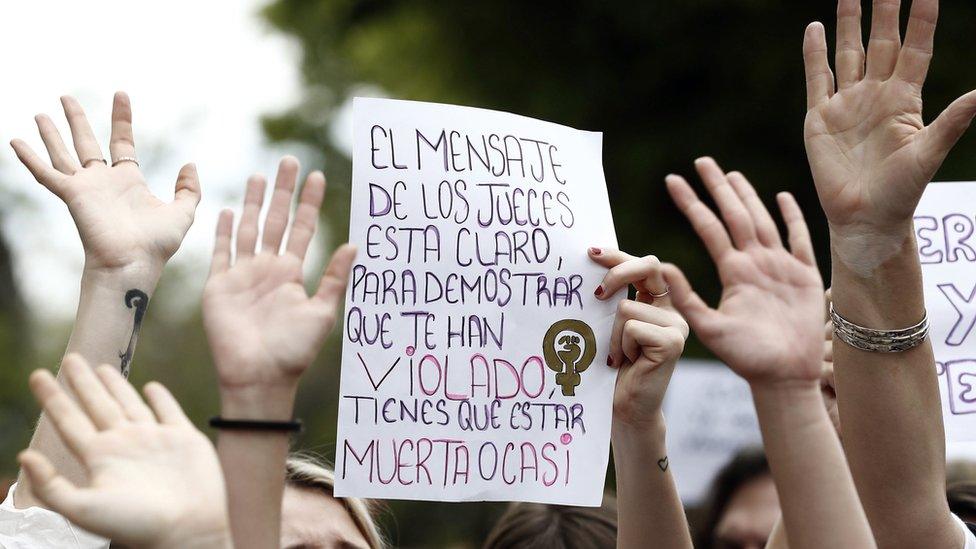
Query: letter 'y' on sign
[[471, 328]]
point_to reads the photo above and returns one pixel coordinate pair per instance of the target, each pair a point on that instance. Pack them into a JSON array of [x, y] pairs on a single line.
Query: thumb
[[689, 304], [55, 491], [187, 194], [943, 133]]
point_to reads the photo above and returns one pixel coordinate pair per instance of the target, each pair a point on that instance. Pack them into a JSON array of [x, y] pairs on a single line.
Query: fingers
[[54, 490], [916, 54], [734, 212], [850, 45], [820, 80], [940, 136], [306, 215], [703, 220], [702, 319], [187, 194], [46, 175], [81, 133], [332, 288], [122, 143], [247, 229], [885, 39], [72, 425], [765, 226], [796, 226], [276, 220], [164, 405], [631, 311], [643, 272], [637, 335], [62, 160], [221, 253], [94, 398], [608, 257], [122, 391]]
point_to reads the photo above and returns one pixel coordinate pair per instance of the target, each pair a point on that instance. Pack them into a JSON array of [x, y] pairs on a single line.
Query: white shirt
[[970, 537], [37, 528]]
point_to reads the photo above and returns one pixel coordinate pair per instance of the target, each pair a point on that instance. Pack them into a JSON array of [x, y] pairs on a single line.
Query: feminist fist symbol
[[567, 358]]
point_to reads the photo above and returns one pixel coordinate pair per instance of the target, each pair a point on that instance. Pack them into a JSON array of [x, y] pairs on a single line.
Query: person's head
[[539, 526], [743, 505], [311, 515]]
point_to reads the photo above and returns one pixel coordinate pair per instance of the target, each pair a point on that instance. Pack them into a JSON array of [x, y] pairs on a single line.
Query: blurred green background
[[665, 81]]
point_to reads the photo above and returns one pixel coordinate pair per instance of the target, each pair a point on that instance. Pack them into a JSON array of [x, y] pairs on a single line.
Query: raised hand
[[869, 148], [154, 479], [768, 324], [645, 344], [647, 339], [264, 331], [262, 325], [121, 224]]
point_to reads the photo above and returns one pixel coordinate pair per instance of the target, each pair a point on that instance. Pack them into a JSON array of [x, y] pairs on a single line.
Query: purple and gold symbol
[[569, 348]]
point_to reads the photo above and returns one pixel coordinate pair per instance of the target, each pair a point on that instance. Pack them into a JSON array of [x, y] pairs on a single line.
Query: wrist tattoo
[[138, 300], [663, 464]]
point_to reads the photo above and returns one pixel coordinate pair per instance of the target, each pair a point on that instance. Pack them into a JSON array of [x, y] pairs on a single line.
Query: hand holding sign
[[768, 324], [647, 339]]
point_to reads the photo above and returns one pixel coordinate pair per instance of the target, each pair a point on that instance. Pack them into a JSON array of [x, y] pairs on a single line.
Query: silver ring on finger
[[662, 294], [122, 159], [84, 163]]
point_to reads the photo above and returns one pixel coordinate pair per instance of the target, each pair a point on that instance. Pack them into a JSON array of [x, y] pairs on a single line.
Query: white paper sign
[[944, 228], [474, 352], [710, 417]]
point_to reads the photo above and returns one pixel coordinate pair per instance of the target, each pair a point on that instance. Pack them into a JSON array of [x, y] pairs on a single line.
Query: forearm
[[254, 464], [817, 495], [647, 499], [105, 332], [886, 399]]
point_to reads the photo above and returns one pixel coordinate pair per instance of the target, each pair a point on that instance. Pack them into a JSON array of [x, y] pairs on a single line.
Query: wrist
[[862, 248], [785, 387], [216, 537], [891, 297], [274, 402], [631, 434], [143, 276]]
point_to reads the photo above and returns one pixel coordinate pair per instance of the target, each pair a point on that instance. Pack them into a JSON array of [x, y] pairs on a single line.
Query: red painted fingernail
[[599, 291], [609, 360], [596, 251]]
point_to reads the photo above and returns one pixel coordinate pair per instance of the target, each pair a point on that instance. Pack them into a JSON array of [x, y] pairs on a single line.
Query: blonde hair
[[556, 527], [306, 471]]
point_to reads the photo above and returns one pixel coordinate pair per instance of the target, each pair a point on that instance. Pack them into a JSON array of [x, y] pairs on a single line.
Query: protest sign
[[710, 417], [944, 227], [474, 351]]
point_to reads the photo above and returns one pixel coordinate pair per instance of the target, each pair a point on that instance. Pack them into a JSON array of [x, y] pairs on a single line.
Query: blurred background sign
[[710, 417]]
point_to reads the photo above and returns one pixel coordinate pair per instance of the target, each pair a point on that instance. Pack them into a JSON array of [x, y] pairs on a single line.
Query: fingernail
[[596, 251], [609, 360], [599, 291]]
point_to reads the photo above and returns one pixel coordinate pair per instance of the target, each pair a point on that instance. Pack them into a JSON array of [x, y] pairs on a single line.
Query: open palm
[[151, 472], [262, 325], [120, 222], [768, 324], [869, 149]]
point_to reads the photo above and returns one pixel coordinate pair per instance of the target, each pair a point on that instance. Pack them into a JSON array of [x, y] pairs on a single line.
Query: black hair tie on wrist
[[293, 426]]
